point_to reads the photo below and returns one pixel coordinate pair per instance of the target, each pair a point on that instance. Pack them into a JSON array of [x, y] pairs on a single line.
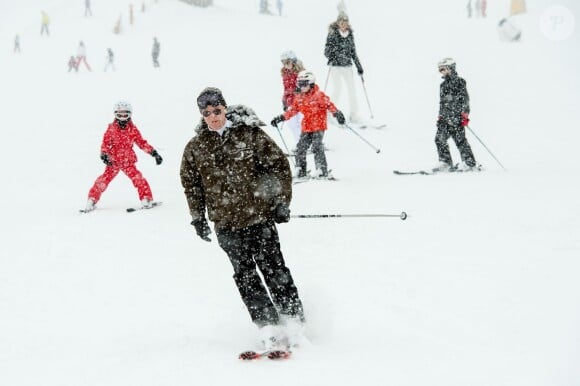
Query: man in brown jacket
[[232, 168]]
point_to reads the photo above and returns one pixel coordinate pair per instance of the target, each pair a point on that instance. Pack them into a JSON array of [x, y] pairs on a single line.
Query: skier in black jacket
[[340, 51], [453, 117]]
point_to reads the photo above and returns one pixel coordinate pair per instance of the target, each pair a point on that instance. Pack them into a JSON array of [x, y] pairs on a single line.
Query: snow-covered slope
[[478, 287]]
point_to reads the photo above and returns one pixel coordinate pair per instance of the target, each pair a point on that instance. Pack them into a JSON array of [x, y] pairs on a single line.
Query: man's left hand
[[281, 213]]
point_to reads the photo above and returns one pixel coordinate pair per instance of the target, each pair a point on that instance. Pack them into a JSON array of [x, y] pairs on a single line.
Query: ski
[[406, 173], [308, 177], [455, 169], [153, 205], [270, 354], [86, 210]]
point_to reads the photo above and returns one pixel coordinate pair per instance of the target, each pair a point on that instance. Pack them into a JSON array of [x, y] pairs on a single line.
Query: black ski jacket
[[454, 99], [341, 51]]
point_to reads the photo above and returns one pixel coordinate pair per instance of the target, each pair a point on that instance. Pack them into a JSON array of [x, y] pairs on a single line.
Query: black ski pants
[[258, 246], [305, 141], [444, 132]]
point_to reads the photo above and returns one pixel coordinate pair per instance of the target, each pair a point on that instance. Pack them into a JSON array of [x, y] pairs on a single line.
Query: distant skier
[[313, 104], [155, 52], [340, 51], [45, 21], [82, 55], [88, 11], [73, 64], [264, 7], [291, 67], [453, 118], [17, 44], [236, 172], [110, 60], [118, 154]]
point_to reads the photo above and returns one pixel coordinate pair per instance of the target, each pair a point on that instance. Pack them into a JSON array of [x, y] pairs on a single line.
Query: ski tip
[[279, 354], [249, 355]]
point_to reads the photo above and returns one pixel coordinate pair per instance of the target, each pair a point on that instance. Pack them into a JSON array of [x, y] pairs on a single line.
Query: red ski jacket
[[118, 143], [289, 80], [313, 104]]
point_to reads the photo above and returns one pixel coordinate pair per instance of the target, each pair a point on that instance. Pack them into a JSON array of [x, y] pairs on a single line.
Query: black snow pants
[[314, 139], [259, 245], [444, 132]]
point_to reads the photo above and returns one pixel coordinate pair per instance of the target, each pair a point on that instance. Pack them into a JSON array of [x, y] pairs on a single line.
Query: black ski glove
[[281, 213], [105, 159], [277, 119], [340, 117], [360, 70], [201, 228], [157, 157]]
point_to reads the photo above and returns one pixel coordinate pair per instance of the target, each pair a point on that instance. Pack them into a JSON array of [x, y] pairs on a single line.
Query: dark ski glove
[[281, 213], [339, 117], [360, 70], [105, 159], [201, 228], [157, 157], [277, 119]]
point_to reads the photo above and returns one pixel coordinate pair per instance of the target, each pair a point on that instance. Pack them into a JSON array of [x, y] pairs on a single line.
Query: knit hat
[[342, 17], [210, 96]]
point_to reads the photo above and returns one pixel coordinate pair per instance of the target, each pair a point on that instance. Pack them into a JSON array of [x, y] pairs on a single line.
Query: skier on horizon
[[155, 52], [82, 55], [45, 21], [118, 155], [110, 58], [313, 104], [453, 118], [236, 172]]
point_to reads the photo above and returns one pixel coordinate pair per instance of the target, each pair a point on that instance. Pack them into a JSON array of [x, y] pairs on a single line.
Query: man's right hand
[[201, 228]]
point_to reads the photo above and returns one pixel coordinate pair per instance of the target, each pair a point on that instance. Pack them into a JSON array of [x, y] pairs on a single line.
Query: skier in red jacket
[[118, 154], [313, 104]]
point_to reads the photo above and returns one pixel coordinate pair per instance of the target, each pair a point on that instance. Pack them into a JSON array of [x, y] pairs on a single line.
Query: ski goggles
[[122, 115], [303, 83], [216, 112]]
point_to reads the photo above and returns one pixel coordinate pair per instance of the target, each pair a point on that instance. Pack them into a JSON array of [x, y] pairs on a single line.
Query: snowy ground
[[477, 287]]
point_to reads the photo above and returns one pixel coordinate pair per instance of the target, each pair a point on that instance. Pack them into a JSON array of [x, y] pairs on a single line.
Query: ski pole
[[402, 216], [366, 95], [327, 76], [285, 146], [486, 148], [361, 137]]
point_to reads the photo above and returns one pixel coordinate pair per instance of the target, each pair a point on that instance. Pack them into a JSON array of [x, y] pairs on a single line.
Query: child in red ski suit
[[118, 154], [314, 104]]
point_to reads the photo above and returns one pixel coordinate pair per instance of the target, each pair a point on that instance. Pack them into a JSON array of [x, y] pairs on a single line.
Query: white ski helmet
[[288, 55], [305, 76], [123, 106], [446, 62]]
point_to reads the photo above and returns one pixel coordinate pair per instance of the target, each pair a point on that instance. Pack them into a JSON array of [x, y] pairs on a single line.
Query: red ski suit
[[313, 104], [118, 145], [289, 78]]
